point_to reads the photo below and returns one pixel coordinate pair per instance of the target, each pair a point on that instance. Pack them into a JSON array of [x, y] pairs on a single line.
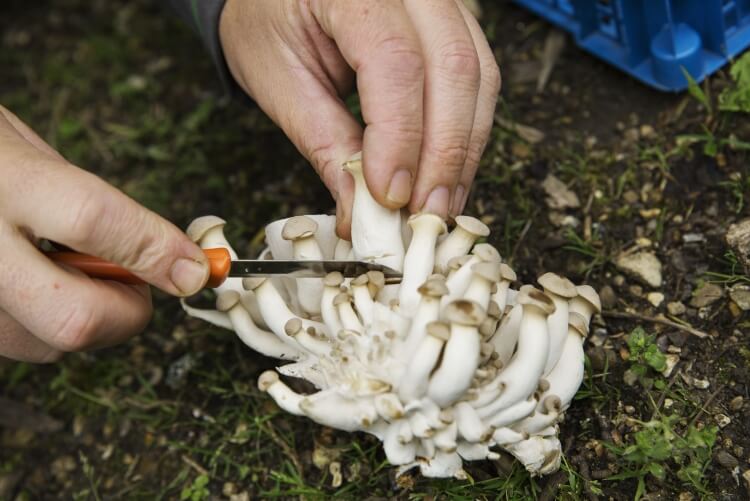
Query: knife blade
[[222, 267]]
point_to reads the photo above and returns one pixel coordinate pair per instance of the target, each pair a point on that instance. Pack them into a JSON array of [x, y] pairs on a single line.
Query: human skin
[[426, 77], [46, 310]]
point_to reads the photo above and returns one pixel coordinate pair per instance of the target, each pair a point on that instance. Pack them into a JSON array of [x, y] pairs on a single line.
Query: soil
[[123, 89]]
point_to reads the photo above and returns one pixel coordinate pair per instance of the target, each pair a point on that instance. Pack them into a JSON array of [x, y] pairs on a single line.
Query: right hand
[[46, 310]]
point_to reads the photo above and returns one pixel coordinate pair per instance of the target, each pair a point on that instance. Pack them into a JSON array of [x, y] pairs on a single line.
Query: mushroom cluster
[[443, 367]]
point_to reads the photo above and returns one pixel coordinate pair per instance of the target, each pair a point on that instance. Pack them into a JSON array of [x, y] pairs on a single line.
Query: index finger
[[378, 41]]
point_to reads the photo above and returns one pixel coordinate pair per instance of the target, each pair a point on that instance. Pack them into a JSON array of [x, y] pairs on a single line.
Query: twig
[[194, 465], [524, 231], [288, 451], [655, 320], [705, 405]]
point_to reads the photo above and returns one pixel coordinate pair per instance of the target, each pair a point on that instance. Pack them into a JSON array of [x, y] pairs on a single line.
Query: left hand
[[426, 77]]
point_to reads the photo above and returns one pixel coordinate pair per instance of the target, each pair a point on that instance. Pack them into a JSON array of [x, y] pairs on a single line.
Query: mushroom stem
[[468, 229], [347, 315], [396, 449], [461, 354], [376, 230], [413, 384], [284, 396], [362, 299], [511, 414], [427, 311], [470, 425], [506, 336], [330, 408], [332, 287], [300, 231], [420, 256], [560, 290], [475, 451], [565, 378]]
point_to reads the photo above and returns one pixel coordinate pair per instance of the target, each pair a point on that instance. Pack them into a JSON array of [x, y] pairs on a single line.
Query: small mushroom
[[565, 378], [396, 449], [420, 256], [264, 342], [347, 315], [300, 231], [586, 303], [484, 277], [413, 384], [331, 288], [468, 229], [427, 311], [295, 330], [560, 290], [284, 396], [507, 277], [470, 425], [461, 354], [330, 408]]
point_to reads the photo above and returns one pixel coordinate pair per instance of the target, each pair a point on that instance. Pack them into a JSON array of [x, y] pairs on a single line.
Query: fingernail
[[437, 202], [399, 191], [188, 275], [458, 201]]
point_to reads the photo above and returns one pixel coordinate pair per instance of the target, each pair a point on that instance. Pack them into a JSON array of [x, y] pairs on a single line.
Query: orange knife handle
[[219, 262]]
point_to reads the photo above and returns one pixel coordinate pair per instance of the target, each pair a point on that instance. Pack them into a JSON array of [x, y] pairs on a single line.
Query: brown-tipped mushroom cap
[[472, 225], [493, 310], [446, 416], [333, 279], [362, 279], [488, 270], [376, 279], [488, 326], [551, 403], [557, 285], [252, 283], [589, 294], [341, 298], [529, 296], [486, 349], [226, 300], [486, 252], [455, 263], [267, 379], [507, 273], [200, 226], [433, 287], [299, 227], [578, 323], [353, 163], [439, 330], [464, 312], [293, 326], [427, 218]]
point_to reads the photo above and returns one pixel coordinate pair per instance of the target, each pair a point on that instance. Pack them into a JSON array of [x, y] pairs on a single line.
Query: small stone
[[650, 213], [686, 496], [746, 477], [242, 496], [726, 460], [668, 403], [641, 265], [228, 489], [630, 377], [335, 470], [678, 338], [655, 298], [62, 466], [671, 361], [738, 239], [722, 420], [740, 294], [618, 280], [608, 297], [631, 135], [693, 238], [675, 308], [630, 197], [558, 195], [701, 384], [736, 403], [629, 409], [635, 290], [706, 295], [647, 131]]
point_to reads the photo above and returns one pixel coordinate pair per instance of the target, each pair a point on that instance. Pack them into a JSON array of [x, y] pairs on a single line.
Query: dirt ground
[[122, 89]]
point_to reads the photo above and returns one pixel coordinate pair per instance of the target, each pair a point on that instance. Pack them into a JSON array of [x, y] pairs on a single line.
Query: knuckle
[[403, 55], [87, 213], [460, 58], [450, 155], [77, 329]]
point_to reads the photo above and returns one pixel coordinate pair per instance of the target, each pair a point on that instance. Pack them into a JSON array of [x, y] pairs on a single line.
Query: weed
[[657, 444], [737, 98], [644, 355], [733, 273], [197, 490]]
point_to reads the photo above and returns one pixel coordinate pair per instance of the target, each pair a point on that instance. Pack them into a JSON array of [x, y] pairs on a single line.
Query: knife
[[222, 267]]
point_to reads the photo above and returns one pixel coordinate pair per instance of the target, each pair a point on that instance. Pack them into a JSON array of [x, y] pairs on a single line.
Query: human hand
[[46, 310], [426, 77]]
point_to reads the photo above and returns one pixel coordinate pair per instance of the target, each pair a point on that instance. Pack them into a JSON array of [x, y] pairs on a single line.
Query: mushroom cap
[[293, 326], [252, 283], [362, 279], [446, 416], [543, 385], [427, 219], [433, 287], [200, 226], [577, 322], [439, 330], [560, 286], [488, 326], [486, 349], [455, 263], [472, 225], [333, 279], [267, 379], [529, 296], [226, 300], [376, 279], [486, 252], [488, 270], [589, 294], [507, 273], [551, 403], [464, 312], [493, 310], [341, 298], [299, 227]]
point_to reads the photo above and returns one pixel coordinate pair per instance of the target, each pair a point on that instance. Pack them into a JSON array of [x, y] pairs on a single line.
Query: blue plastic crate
[[654, 39]]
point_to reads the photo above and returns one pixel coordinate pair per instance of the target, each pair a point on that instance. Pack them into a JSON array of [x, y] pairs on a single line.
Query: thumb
[[71, 206]]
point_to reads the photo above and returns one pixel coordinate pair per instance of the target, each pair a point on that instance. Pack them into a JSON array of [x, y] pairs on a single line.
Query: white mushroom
[[586, 303], [507, 277], [459, 242], [284, 397], [300, 230], [560, 290], [420, 256], [376, 231], [565, 378], [414, 382]]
